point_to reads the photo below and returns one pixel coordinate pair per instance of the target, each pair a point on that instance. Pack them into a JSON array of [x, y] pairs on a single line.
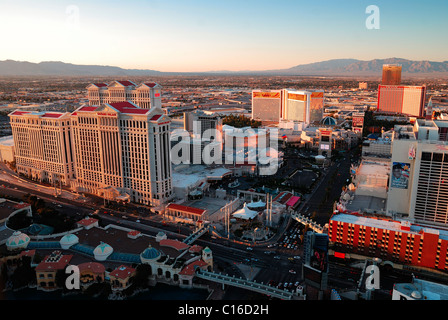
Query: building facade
[[409, 100], [145, 95], [418, 185], [391, 74], [123, 147], [396, 241], [43, 149]]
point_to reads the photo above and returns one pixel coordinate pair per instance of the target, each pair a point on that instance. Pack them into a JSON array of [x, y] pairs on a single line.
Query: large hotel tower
[[395, 98], [121, 147], [116, 150], [145, 95], [43, 149], [276, 105]]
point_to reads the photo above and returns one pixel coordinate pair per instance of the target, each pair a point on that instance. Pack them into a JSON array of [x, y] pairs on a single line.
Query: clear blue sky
[[200, 35]]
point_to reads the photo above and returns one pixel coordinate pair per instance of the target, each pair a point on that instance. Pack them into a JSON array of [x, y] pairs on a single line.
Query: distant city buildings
[[363, 86]]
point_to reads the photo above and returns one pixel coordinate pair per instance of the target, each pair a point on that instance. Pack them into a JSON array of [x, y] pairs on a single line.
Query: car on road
[[277, 257], [292, 271], [137, 220], [249, 248], [297, 257]]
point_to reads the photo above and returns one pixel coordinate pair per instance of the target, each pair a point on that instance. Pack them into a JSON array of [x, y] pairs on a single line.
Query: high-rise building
[[267, 105], [122, 148], [391, 74], [418, 185], [291, 105], [42, 142], [145, 95], [409, 100], [198, 122]]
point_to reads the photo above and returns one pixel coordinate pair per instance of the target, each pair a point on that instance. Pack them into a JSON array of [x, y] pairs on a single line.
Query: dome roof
[[17, 240], [102, 251], [328, 121], [68, 240], [150, 253]]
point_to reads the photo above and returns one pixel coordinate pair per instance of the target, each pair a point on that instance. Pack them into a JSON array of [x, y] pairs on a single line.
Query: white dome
[[102, 251], [68, 240], [18, 240]]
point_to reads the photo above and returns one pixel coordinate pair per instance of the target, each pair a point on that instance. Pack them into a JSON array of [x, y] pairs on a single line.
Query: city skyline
[[176, 36]]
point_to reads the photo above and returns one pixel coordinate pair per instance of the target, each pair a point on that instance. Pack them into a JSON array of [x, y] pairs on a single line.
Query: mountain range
[[335, 67]]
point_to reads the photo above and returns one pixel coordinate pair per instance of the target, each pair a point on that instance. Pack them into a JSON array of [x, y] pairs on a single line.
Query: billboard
[[312, 276], [317, 95], [295, 96], [319, 260], [400, 175], [272, 95]]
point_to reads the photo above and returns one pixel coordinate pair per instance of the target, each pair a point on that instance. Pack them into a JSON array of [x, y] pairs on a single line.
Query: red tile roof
[[95, 267], [122, 272], [156, 117], [151, 84], [178, 207], [189, 270], [128, 107], [283, 197], [134, 233], [61, 263], [19, 113], [126, 83], [52, 115], [87, 221], [174, 244], [88, 108], [100, 84]]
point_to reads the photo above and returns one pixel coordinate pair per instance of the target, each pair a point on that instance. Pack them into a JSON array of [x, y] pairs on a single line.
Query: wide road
[[321, 201]]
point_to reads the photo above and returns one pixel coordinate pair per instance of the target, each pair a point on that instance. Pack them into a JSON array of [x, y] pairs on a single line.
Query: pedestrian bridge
[[248, 285], [308, 221], [194, 236]]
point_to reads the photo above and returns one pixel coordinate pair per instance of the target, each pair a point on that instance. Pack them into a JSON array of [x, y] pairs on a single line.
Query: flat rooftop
[[428, 290], [361, 202]]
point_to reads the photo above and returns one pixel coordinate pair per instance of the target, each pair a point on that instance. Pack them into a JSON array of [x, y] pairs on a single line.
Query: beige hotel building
[[116, 150], [122, 150], [145, 95], [42, 142]]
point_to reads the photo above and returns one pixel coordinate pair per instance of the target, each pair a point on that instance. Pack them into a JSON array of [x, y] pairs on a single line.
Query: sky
[[211, 35]]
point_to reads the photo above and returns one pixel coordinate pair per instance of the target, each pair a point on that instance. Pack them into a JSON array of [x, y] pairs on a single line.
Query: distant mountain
[[335, 67], [347, 67], [57, 68]]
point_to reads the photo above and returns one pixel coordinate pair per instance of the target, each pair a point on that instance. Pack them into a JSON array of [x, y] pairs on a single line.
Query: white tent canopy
[[245, 213]]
